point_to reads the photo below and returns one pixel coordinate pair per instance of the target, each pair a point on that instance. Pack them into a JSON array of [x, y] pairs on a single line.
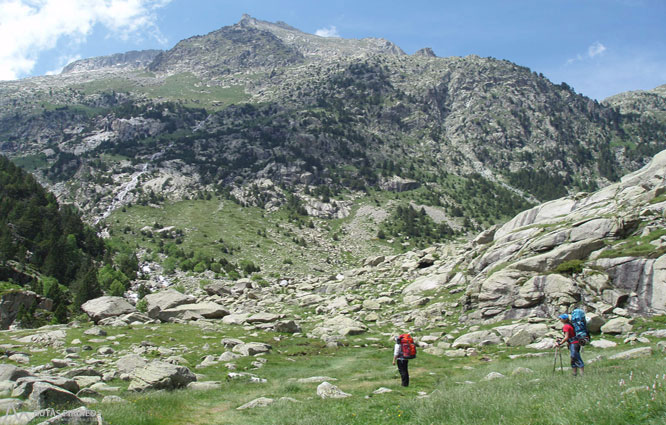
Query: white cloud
[[596, 49], [331, 31], [30, 27]]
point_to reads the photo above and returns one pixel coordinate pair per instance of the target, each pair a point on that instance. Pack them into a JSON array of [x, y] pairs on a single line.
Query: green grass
[[268, 239], [195, 93], [637, 246], [186, 87], [31, 162]]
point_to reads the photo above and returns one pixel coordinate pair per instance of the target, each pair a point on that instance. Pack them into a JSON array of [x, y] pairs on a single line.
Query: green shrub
[[117, 289], [142, 305], [570, 267]]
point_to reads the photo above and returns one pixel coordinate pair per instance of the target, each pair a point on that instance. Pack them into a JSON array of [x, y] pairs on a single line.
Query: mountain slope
[[226, 112]]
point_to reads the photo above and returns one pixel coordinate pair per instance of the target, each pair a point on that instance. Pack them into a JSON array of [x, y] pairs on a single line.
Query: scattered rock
[[327, 390], [251, 348], [521, 371], [493, 375], [112, 399], [204, 385], [287, 326], [258, 402], [315, 379], [603, 343]]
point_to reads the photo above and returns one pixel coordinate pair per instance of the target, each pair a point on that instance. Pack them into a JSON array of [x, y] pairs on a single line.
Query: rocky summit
[[235, 229]]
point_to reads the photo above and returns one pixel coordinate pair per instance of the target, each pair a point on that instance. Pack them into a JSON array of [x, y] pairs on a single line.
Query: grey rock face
[[159, 375], [425, 52], [129, 60], [11, 302], [399, 184], [107, 306]]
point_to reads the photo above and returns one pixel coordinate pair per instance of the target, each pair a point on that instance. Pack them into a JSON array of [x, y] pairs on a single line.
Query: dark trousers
[[404, 373]]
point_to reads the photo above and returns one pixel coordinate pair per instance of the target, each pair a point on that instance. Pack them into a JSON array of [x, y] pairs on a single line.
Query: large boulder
[[107, 306], [159, 375], [477, 338], [45, 395], [619, 325], [339, 325], [10, 372], [164, 300], [426, 283], [208, 310]]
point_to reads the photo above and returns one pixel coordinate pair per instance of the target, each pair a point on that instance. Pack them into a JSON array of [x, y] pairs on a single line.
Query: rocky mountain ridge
[[268, 117]]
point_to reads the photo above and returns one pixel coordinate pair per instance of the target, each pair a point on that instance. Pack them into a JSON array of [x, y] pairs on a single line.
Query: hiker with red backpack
[[575, 338], [404, 350]]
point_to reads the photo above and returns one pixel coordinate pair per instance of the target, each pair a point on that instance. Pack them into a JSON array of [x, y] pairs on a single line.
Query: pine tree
[[86, 287]]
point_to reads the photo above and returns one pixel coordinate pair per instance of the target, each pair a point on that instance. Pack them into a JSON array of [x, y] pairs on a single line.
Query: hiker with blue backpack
[[576, 336], [403, 351]]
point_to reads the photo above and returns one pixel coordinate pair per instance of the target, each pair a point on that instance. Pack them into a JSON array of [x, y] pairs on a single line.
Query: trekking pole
[[555, 359], [561, 365]]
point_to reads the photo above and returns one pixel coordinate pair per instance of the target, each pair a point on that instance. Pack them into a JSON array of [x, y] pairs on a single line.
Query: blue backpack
[[579, 323]]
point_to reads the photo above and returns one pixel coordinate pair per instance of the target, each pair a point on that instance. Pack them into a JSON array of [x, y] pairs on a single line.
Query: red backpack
[[407, 347]]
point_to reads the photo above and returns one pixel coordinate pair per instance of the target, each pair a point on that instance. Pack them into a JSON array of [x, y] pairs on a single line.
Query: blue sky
[[598, 47]]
